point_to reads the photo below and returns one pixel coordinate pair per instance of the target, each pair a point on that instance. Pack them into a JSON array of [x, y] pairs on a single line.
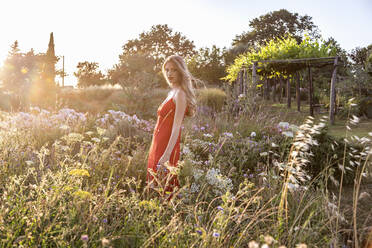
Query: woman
[[165, 146]]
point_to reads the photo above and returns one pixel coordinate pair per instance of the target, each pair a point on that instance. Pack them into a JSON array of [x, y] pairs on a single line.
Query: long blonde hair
[[187, 81]]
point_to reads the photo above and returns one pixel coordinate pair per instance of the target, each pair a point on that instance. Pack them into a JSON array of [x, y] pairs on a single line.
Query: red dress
[[161, 136]]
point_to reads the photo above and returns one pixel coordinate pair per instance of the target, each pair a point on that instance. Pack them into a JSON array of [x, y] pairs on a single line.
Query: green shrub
[[213, 98]]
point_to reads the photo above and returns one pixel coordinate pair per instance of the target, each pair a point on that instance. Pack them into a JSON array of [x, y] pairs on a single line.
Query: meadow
[[251, 176]]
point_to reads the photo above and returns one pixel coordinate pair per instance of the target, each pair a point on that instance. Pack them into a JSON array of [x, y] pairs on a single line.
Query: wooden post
[[246, 81], [311, 93], [298, 97], [274, 89], [267, 95], [280, 89], [254, 79], [237, 85], [242, 82], [288, 93], [335, 103], [333, 93]]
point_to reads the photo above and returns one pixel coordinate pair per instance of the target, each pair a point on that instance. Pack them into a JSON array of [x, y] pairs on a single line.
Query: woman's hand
[[164, 159], [161, 167]]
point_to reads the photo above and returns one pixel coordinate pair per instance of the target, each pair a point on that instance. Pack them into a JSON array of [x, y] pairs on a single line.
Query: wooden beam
[[298, 97], [295, 60], [288, 93], [333, 93], [311, 93]]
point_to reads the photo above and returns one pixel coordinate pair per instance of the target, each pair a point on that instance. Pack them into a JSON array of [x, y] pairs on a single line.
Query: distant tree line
[[141, 58]]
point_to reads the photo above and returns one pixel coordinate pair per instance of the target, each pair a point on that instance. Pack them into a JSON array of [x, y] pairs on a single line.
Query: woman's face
[[173, 75]]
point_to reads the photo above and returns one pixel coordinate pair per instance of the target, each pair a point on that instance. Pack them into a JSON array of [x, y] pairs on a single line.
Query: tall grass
[[245, 182]]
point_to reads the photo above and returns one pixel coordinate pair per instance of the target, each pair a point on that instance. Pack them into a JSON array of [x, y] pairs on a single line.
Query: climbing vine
[[280, 49]]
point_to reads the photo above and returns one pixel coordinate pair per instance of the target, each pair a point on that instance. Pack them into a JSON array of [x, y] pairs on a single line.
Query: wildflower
[[253, 244], [79, 172], [263, 154], [199, 232], [283, 125], [207, 135], [288, 134], [82, 194], [253, 134], [216, 234], [229, 135], [105, 242], [220, 208], [84, 237], [301, 246], [104, 220], [268, 239]]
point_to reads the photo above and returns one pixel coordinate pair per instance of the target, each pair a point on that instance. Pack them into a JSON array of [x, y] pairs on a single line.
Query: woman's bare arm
[[180, 100]]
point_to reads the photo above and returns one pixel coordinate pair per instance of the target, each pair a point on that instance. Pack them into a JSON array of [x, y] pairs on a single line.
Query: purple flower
[[104, 220], [199, 232], [220, 208], [216, 234], [84, 237]]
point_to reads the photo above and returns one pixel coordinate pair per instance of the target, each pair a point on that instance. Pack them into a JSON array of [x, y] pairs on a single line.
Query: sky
[[95, 31]]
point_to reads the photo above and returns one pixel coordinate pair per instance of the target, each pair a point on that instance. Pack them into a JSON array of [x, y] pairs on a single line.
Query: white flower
[[253, 134], [186, 150], [288, 134], [227, 134], [253, 244], [262, 154], [283, 125], [194, 188], [207, 135]]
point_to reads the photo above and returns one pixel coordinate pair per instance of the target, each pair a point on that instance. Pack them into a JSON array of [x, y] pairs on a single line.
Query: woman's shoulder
[[180, 93]]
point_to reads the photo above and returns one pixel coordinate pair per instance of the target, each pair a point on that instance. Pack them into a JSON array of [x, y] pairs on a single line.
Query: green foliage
[[213, 98], [208, 64], [279, 49], [133, 101], [84, 186], [274, 25], [158, 43], [134, 69], [88, 74]]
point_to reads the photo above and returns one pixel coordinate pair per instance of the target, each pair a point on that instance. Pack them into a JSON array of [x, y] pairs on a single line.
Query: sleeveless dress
[[161, 136]]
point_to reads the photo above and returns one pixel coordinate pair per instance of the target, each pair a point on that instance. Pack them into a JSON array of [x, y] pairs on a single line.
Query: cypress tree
[[51, 60]]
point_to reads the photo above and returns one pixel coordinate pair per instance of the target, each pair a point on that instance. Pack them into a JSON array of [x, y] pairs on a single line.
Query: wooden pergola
[[298, 64]]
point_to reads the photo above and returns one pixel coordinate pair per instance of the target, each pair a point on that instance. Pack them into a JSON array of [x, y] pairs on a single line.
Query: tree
[[88, 74], [359, 55], [131, 67], [208, 64], [158, 43], [50, 62], [276, 24]]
